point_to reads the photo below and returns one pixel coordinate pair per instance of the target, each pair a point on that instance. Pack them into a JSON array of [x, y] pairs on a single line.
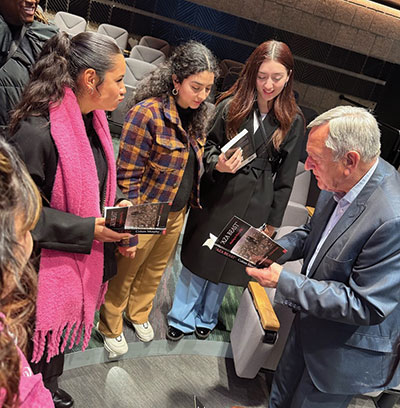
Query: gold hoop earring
[[90, 90], [175, 92]]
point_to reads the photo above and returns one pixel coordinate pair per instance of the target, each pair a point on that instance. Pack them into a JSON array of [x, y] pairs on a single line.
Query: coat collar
[[171, 113], [356, 208]]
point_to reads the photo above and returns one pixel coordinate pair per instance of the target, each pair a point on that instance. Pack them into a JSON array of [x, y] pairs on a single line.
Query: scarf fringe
[[51, 341]]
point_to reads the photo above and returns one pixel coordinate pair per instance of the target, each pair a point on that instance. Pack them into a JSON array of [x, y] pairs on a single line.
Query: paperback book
[[147, 218], [242, 141], [246, 244]]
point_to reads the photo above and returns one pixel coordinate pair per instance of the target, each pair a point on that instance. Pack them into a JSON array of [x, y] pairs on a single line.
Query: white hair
[[351, 129]]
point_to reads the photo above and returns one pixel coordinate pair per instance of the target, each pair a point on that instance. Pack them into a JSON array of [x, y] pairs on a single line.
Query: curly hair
[[188, 59], [59, 65], [243, 91], [19, 200]]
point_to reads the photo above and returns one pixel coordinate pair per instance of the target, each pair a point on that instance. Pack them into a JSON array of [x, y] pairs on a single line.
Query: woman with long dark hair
[[261, 101], [160, 160], [61, 131], [19, 212]]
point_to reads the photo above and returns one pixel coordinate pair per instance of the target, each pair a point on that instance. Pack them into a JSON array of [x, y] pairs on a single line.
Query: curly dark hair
[[187, 59], [19, 200]]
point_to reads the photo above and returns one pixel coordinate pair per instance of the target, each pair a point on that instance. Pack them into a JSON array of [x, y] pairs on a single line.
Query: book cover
[[197, 403], [242, 141], [147, 218], [246, 244]]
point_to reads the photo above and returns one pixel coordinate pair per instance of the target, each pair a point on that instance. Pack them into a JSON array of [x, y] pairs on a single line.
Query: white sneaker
[[115, 346], [144, 331]]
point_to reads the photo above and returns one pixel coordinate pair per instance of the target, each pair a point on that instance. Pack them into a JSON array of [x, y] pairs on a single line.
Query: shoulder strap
[[14, 45], [262, 140]]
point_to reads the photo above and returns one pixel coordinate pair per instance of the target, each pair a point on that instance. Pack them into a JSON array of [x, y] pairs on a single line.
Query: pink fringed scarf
[[70, 284]]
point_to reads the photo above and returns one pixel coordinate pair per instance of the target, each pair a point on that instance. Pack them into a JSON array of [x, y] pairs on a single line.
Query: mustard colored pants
[[133, 288]]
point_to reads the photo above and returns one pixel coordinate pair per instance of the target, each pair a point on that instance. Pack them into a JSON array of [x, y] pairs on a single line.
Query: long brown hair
[[19, 199], [244, 91]]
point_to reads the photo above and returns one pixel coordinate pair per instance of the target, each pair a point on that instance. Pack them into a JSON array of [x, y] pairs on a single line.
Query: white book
[[241, 141]]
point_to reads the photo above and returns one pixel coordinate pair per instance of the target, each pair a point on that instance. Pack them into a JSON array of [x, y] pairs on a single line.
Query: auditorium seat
[[70, 23], [230, 71], [147, 54], [157, 43], [119, 34], [296, 212], [136, 70]]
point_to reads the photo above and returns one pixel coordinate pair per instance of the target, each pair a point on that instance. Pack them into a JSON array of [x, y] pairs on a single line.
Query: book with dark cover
[[197, 403], [147, 218], [246, 244], [244, 141]]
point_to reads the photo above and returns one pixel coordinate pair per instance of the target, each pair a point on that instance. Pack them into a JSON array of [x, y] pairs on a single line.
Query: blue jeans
[[196, 302]]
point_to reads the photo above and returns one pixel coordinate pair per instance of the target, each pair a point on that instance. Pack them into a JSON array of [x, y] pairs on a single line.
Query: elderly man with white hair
[[345, 339]]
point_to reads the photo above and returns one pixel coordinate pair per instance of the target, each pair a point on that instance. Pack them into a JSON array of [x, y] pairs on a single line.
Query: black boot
[[62, 399]]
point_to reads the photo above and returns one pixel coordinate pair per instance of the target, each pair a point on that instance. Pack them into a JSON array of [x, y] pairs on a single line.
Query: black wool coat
[[253, 194], [58, 230]]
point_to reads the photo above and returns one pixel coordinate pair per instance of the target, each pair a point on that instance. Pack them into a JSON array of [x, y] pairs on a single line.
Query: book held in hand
[[147, 218], [242, 141], [246, 244]]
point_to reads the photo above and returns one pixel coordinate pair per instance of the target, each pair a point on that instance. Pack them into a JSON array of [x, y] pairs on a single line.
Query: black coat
[[14, 75], [252, 194], [58, 230]]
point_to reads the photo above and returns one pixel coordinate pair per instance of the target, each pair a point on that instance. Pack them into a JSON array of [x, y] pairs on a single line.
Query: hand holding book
[[146, 218], [103, 233], [239, 146], [246, 244], [230, 164], [267, 277]]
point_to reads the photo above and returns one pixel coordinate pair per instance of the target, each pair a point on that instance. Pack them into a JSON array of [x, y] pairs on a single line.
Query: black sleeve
[[216, 138], [55, 229], [120, 195], [283, 183]]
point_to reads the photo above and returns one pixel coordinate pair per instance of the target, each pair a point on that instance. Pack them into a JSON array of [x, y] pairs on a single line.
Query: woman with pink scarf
[[62, 134]]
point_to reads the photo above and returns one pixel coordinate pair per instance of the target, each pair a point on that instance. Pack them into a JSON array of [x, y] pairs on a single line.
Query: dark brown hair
[[244, 93], [19, 199], [59, 65], [187, 59]]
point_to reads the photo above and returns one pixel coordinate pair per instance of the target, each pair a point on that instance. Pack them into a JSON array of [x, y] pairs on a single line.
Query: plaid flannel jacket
[[152, 159]]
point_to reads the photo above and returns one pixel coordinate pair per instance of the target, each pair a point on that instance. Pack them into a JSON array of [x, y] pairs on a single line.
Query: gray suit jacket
[[348, 306]]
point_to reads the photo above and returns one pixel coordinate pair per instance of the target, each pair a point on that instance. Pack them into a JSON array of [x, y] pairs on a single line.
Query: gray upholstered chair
[[136, 70], [119, 34], [144, 53], [230, 71], [252, 347], [157, 43], [70, 23], [296, 213]]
